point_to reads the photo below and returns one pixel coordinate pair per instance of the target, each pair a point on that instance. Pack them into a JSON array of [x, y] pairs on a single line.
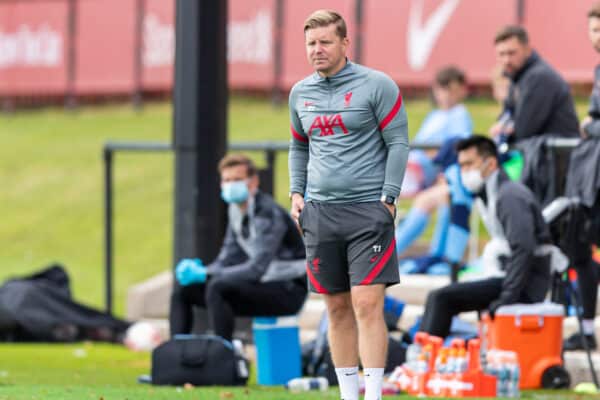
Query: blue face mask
[[234, 192]]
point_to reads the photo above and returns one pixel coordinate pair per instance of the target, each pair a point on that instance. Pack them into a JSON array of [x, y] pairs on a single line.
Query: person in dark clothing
[[539, 100], [587, 269], [260, 269], [512, 216]]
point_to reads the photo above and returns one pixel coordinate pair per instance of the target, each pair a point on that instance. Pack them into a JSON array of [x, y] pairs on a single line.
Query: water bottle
[[461, 362], [306, 384], [441, 362], [421, 364], [451, 366], [514, 376]]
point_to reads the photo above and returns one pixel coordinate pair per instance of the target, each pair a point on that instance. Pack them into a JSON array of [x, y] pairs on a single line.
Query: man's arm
[[270, 230], [519, 228], [534, 105], [393, 125], [230, 252], [298, 156]]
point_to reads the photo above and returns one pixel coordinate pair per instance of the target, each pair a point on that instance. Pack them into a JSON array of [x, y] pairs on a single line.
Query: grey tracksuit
[[349, 136]]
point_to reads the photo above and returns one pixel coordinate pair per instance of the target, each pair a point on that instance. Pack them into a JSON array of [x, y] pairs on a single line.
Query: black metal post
[[277, 95], [108, 228], [200, 117], [71, 98], [138, 52], [520, 12], [358, 26]]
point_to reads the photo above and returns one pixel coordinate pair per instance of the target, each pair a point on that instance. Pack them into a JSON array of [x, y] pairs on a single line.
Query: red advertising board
[[158, 44], [105, 46], [411, 39], [558, 30], [33, 47], [250, 43], [295, 64]]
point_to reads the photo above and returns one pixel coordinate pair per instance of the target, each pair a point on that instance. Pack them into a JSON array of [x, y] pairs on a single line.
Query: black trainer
[[575, 342]]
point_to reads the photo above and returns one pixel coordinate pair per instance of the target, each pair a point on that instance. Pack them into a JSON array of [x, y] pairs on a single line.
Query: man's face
[[448, 96], [326, 51], [239, 173], [469, 159], [512, 54], [594, 32]]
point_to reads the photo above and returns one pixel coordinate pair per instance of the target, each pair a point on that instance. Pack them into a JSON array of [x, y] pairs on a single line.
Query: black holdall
[[201, 360]]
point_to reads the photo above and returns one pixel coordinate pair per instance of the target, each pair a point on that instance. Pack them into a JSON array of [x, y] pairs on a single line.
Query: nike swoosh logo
[[422, 37], [351, 374]]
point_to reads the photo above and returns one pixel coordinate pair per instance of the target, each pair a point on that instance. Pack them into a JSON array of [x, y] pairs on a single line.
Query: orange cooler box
[[534, 332]]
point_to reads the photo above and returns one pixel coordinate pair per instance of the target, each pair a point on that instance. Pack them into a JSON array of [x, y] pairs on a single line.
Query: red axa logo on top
[[326, 123]]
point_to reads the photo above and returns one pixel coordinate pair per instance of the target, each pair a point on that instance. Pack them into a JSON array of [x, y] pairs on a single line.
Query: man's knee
[[185, 293], [215, 288], [339, 307], [436, 297], [368, 303]]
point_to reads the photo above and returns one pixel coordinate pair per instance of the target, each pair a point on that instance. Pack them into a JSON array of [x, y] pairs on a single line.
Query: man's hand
[[391, 208], [586, 121], [297, 206], [190, 271], [500, 128]]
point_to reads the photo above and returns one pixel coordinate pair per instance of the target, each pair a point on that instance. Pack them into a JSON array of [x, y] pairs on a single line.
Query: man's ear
[[253, 182]]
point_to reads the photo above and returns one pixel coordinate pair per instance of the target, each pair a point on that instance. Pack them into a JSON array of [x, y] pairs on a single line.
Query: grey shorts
[[348, 245]]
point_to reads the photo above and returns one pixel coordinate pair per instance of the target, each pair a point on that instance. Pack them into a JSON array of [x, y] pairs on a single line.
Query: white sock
[[348, 381], [373, 383], [588, 326]]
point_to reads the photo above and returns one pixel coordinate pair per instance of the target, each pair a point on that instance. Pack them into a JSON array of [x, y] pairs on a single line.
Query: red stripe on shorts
[[377, 268], [315, 282]]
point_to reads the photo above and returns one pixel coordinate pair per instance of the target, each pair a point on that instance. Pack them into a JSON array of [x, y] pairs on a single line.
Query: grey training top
[[349, 136]]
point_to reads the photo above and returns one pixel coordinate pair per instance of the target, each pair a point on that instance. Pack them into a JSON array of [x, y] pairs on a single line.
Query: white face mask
[[472, 180]]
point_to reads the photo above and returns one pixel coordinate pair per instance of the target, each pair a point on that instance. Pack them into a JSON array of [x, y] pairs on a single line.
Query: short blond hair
[[321, 18], [594, 11]]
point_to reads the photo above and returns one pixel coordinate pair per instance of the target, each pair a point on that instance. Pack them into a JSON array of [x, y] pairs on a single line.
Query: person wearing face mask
[[520, 270], [260, 269]]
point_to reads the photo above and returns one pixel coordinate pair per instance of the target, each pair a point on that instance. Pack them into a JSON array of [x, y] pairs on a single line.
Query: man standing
[[587, 269], [539, 100], [348, 153]]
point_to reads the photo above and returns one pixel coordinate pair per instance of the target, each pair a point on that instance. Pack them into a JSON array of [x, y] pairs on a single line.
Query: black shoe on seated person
[[575, 342]]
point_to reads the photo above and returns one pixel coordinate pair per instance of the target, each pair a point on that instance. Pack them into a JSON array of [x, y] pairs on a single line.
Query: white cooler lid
[[546, 308]]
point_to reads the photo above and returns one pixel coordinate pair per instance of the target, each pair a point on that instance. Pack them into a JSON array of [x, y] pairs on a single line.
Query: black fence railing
[[269, 148]]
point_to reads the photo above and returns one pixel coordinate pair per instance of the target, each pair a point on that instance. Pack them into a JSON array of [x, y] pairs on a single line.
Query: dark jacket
[[540, 102], [593, 129], [276, 238], [527, 276], [583, 176]]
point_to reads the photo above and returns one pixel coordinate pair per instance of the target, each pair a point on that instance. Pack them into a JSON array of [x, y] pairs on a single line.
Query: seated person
[[260, 269], [449, 120], [451, 234], [512, 216]]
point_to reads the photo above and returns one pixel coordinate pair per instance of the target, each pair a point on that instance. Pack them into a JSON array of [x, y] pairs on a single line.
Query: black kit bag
[[202, 360]]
